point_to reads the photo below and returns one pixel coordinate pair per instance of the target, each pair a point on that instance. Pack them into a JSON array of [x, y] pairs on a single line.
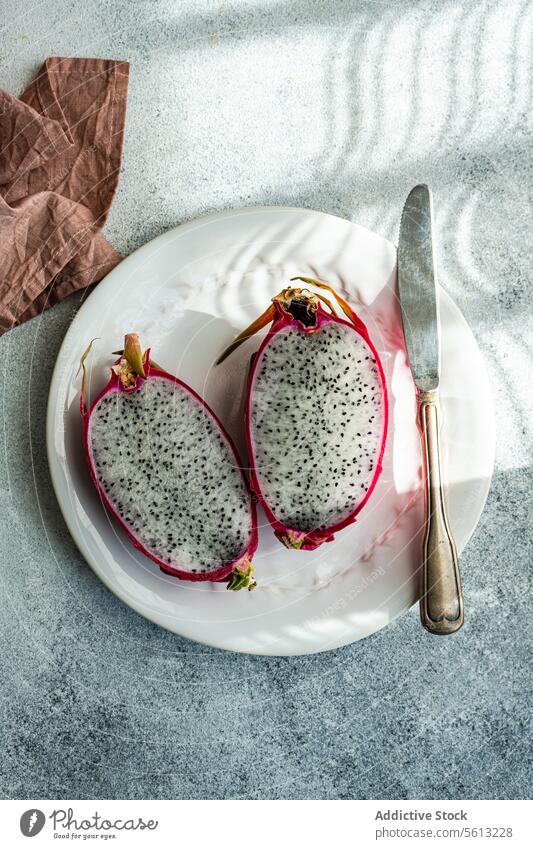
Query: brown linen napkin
[[60, 150]]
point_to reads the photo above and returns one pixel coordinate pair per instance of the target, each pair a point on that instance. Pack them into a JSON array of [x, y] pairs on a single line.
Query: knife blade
[[417, 282], [441, 601]]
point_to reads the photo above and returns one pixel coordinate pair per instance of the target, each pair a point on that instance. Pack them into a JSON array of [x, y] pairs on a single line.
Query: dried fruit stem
[[241, 580], [133, 354], [344, 305]]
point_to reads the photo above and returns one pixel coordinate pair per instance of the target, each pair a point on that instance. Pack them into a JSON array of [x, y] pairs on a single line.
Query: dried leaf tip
[[266, 318], [84, 370]]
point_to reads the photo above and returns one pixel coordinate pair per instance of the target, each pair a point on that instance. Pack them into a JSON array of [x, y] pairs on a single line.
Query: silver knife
[[441, 600]]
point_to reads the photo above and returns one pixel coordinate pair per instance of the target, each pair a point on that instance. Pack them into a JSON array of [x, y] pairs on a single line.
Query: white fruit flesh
[[171, 475], [316, 424]]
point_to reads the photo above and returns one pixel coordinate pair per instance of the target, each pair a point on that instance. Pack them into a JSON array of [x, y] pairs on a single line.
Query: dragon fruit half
[[169, 473], [316, 416]]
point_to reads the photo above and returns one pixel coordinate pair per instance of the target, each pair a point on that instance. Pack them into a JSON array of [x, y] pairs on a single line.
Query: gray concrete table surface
[[341, 107]]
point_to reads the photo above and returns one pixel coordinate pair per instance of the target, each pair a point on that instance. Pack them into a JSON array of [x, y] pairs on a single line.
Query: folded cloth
[[60, 151]]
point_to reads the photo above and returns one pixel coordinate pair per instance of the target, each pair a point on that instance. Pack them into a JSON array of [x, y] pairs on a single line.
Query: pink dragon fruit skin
[[127, 382], [287, 330]]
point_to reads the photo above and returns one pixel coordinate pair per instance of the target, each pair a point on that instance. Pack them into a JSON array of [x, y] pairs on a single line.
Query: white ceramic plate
[[187, 294]]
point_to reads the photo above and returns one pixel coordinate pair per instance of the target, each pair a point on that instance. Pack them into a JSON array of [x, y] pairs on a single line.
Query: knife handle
[[441, 599]]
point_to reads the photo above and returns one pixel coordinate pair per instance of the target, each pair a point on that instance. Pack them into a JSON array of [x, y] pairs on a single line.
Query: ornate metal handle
[[441, 599]]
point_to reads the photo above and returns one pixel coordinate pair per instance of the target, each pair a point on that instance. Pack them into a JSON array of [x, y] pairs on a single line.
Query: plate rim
[[50, 432]]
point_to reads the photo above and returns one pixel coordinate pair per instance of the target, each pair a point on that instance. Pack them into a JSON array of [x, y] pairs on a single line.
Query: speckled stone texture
[[342, 107]]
